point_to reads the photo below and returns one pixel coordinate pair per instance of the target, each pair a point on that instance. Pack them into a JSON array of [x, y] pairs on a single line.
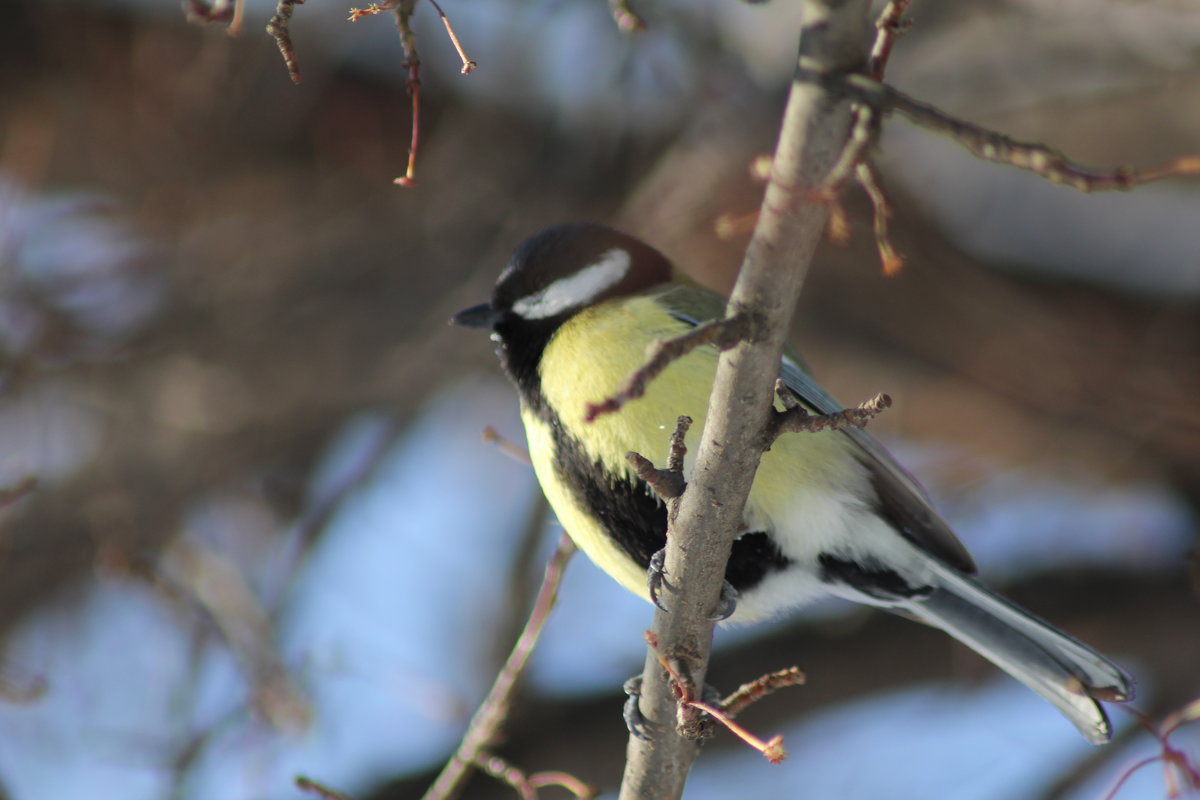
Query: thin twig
[[506, 446], [467, 64], [750, 693], [888, 27], [772, 749], [493, 711], [724, 333], [305, 784], [796, 419], [567, 781], [892, 261], [1037, 158], [277, 28], [689, 724], [403, 10], [864, 134], [501, 770], [239, 14], [412, 60]]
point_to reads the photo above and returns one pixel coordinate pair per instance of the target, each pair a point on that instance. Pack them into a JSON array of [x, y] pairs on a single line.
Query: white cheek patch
[[575, 290]]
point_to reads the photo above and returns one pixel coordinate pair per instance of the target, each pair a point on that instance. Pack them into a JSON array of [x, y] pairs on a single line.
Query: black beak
[[480, 316]]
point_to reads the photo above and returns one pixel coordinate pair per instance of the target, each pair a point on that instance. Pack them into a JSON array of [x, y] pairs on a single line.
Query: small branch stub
[[749, 693], [668, 483], [797, 419]]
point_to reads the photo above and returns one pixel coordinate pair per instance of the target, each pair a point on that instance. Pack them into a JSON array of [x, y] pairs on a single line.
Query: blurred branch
[[318, 513], [229, 12], [467, 64], [506, 446], [305, 784], [1177, 766], [527, 785], [485, 726], [215, 584], [628, 20], [24, 488], [20, 689], [881, 208], [816, 123]]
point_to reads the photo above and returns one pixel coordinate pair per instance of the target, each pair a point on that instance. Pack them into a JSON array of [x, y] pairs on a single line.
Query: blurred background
[[250, 528]]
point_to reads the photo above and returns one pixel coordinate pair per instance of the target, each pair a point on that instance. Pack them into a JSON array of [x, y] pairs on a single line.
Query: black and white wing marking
[[901, 499]]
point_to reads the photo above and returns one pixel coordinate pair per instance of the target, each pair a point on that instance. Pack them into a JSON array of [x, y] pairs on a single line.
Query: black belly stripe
[[635, 519], [869, 577]]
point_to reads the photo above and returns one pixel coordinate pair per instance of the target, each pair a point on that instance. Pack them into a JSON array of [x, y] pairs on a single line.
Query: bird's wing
[[902, 500]]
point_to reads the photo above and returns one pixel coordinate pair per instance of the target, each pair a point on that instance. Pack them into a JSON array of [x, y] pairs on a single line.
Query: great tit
[[830, 513]]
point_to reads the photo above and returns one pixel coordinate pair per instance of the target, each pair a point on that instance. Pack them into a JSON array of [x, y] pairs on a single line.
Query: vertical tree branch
[[834, 40]]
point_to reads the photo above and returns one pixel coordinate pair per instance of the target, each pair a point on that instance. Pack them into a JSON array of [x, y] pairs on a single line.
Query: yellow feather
[[589, 358]]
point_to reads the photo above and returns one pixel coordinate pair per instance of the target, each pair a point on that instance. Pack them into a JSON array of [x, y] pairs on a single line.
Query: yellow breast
[[588, 359]]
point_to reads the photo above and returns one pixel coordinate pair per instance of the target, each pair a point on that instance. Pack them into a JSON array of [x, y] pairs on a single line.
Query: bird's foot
[[635, 720], [726, 603], [656, 578]]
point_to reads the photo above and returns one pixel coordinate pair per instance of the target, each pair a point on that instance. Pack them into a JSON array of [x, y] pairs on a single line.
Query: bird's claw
[[635, 720], [656, 578], [726, 603]]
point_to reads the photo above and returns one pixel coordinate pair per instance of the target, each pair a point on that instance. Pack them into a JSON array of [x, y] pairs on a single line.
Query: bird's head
[[561, 270]]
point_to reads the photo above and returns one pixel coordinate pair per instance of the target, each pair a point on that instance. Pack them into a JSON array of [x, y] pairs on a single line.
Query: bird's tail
[[1066, 672]]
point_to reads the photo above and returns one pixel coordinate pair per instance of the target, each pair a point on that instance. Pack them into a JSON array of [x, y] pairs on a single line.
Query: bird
[[832, 513]]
